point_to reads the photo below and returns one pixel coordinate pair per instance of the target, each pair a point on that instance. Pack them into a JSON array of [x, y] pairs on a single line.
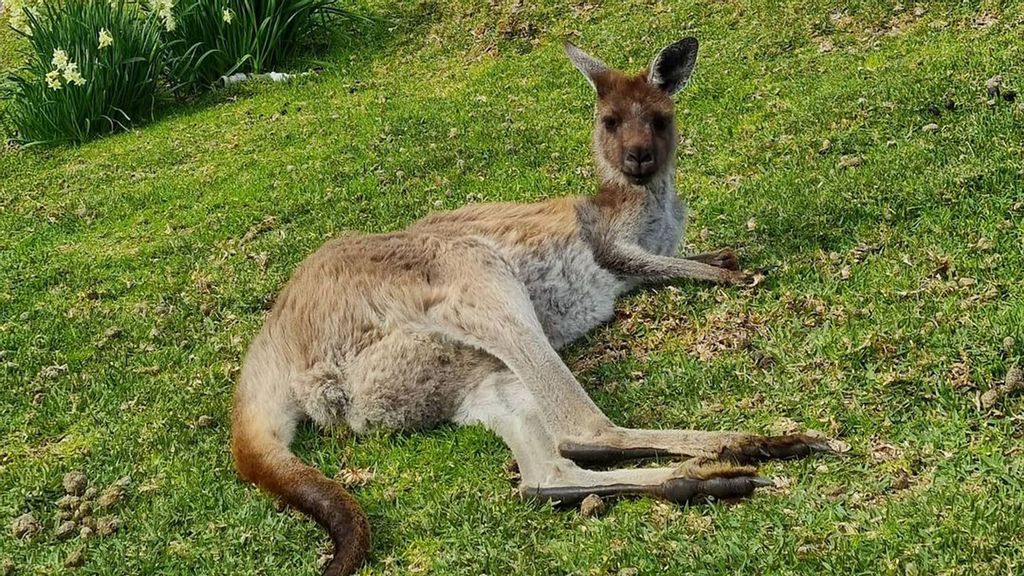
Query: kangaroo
[[458, 319]]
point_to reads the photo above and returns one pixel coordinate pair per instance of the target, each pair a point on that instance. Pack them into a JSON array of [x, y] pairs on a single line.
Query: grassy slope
[[128, 261]]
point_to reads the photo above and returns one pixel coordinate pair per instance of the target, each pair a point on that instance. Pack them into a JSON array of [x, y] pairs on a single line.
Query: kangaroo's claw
[[788, 447]]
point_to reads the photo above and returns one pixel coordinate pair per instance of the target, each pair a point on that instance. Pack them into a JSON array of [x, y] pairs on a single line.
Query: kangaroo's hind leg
[[504, 405], [490, 309]]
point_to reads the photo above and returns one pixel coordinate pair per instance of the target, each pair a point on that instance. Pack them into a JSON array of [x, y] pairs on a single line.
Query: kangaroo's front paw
[[724, 258]]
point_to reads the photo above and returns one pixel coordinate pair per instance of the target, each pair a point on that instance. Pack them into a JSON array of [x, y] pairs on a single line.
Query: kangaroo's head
[[634, 131]]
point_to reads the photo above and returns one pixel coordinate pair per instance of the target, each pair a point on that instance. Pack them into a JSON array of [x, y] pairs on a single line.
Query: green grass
[[128, 261]]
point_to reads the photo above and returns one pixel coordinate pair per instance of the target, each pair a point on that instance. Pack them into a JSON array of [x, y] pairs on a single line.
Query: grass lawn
[[135, 269]]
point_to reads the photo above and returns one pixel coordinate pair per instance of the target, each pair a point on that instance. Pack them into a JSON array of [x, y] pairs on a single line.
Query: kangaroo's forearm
[[634, 261]]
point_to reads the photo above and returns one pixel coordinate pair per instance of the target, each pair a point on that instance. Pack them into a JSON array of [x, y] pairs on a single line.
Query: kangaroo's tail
[[262, 426]]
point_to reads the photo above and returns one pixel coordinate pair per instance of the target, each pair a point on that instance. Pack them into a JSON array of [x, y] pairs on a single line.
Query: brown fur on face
[[634, 136], [634, 131]]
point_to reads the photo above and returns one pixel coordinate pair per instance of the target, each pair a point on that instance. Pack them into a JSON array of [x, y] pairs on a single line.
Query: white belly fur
[[571, 293]]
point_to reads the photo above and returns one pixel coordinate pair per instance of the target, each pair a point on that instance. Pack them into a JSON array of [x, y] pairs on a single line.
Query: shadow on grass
[[357, 40]]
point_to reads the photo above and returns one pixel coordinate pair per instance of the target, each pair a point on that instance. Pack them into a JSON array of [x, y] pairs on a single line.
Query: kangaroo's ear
[[671, 68], [591, 67]]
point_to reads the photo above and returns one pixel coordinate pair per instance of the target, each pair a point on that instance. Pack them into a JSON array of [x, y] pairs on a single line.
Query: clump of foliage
[[96, 66], [208, 39], [93, 67]]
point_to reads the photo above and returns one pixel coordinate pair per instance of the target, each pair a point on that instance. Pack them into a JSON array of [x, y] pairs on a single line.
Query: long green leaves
[[212, 38], [96, 66], [93, 68]]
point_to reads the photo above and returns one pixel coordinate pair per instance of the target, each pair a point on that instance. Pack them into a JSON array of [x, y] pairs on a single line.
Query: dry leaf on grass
[[839, 446], [52, 371], [784, 426], [781, 485], [265, 225], [355, 477], [850, 161], [724, 332], [883, 452]]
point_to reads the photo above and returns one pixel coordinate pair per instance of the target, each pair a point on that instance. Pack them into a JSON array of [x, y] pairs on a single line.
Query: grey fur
[[589, 66]]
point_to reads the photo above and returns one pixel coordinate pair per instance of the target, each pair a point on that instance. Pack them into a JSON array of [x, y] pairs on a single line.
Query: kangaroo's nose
[[639, 159]]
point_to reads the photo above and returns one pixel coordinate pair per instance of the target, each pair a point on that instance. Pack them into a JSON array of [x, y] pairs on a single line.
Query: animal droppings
[[65, 530], [76, 559], [108, 525], [75, 483], [1012, 383], [1014, 379], [25, 526], [948, 101], [110, 496], [84, 510], [993, 84]]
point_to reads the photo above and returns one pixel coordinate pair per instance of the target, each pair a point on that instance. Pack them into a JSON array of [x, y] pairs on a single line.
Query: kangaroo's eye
[[610, 123], [659, 123]]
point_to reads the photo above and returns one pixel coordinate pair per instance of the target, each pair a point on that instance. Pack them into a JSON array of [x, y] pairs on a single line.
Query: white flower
[[61, 64], [60, 59], [164, 9], [72, 76], [105, 38], [53, 80], [228, 15]]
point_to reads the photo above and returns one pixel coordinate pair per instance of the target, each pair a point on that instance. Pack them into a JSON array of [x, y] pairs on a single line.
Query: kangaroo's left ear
[[671, 68], [591, 68]]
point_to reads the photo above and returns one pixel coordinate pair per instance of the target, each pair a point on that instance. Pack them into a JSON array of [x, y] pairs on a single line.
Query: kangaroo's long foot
[[693, 482], [623, 444], [787, 447]]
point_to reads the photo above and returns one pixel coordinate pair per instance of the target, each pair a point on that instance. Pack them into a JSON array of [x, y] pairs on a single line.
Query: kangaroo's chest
[[663, 225], [570, 292]]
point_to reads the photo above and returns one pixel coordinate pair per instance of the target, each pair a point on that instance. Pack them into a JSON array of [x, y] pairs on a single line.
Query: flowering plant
[[213, 38], [97, 66], [93, 67]]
